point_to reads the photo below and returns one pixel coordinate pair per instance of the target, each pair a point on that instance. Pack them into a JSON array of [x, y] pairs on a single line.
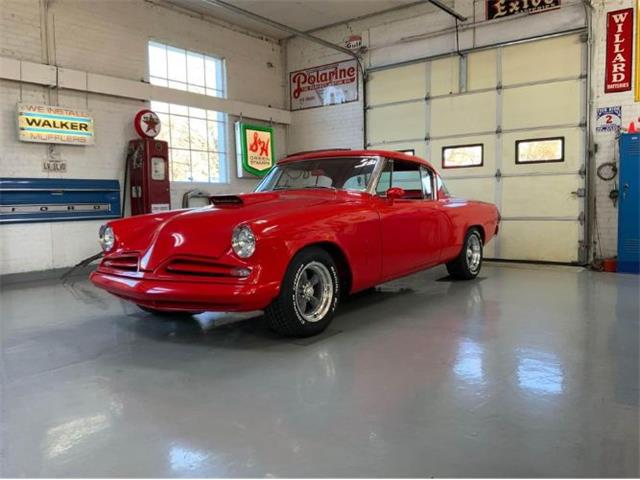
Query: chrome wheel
[[313, 287], [474, 253]]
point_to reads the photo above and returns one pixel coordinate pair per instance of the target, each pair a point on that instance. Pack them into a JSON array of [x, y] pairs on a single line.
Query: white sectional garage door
[[524, 104]]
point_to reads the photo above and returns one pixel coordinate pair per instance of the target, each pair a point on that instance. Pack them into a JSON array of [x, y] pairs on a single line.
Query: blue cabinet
[[629, 204]]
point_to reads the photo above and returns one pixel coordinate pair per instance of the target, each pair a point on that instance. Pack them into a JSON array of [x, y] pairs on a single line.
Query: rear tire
[[308, 296], [467, 264]]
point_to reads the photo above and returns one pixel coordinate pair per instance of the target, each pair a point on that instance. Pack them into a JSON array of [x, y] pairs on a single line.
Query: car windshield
[[351, 173]]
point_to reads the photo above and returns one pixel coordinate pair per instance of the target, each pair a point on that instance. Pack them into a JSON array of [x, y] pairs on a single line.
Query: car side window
[[405, 175], [427, 183]]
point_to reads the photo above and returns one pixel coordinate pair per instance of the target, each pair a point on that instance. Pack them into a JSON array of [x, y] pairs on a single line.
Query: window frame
[[446, 147], [542, 139], [223, 70], [223, 155], [392, 161]]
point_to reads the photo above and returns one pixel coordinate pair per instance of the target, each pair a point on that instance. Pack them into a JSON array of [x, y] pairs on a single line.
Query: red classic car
[[319, 225]]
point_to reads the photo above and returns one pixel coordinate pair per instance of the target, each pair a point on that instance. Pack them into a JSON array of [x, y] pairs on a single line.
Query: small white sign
[[50, 165], [609, 119], [354, 43], [160, 207]]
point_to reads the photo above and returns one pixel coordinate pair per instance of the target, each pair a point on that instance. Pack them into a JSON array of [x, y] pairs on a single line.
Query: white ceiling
[[302, 15]]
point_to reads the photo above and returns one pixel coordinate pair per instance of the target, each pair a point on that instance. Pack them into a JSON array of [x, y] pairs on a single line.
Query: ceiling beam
[[280, 26], [449, 10]]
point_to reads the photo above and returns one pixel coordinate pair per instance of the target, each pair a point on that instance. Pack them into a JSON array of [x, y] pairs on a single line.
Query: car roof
[[317, 154]]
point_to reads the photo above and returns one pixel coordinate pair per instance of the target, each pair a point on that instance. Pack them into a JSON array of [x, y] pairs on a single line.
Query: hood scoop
[[242, 199], [225, 200]]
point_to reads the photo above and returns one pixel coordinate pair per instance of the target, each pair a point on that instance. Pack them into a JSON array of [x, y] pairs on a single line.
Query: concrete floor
[[523, 372]]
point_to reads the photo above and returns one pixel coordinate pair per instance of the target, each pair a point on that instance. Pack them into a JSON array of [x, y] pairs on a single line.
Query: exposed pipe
[[449, 10], [281, 26]]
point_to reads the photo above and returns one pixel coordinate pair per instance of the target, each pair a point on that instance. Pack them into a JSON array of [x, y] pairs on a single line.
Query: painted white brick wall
[[111, 38], [606, 226]]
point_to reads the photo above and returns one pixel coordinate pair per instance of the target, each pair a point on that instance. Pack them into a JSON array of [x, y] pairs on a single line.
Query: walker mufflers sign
[[49, 124], [325, 85], [254, 144], [618, 68]]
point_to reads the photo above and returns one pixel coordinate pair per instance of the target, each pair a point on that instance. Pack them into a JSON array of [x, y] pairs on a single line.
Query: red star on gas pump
[[151, 123]]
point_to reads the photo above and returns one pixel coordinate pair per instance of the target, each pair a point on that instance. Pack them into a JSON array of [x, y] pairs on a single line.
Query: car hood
[[206, 232]]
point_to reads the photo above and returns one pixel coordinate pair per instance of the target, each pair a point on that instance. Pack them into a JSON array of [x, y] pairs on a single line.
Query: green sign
[[254, 145]]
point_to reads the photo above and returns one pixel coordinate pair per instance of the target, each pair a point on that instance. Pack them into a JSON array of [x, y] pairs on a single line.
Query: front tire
[[308, 296], [467, 264]]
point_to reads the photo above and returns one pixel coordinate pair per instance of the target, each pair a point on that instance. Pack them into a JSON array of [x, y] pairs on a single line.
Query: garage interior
[[530, 370]]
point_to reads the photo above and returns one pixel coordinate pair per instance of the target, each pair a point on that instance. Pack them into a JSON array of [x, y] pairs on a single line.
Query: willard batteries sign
[[48, 124], [618, 66], [325, 85]]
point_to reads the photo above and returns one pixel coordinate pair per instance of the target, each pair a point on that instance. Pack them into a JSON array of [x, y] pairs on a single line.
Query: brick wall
[[110, 38]]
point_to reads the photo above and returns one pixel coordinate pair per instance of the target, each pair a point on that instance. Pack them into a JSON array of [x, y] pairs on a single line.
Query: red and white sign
[[618, 69], [354, 43], [325, 85], [147, 124]]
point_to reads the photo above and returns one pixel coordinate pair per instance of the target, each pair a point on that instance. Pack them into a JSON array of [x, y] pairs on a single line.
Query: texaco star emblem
[[151, 122]]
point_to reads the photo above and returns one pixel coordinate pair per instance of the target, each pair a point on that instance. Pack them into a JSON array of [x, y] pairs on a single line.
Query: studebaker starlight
[[318, 226]]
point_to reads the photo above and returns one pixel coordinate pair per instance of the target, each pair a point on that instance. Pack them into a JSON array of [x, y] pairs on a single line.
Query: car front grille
[[125, 262]]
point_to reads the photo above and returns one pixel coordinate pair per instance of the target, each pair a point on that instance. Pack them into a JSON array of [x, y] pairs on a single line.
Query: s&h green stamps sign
[[254, 147]]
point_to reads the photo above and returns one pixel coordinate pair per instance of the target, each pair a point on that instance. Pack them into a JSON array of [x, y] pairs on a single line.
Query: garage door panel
[[573, 151], [545, 196], [397, 84], [543, 98], [537, 61], [444, 76], [482, 189], [420, 148], [489, 250], [397, 122], [549, 241], [537, 105], [481, 70], [489, 155], [463, 114]]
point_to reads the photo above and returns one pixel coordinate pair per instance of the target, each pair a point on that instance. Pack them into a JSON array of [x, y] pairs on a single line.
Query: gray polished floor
[[523, 372]]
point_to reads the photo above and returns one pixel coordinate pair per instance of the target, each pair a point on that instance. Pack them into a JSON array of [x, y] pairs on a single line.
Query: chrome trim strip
[[540, 219], [58, 189]]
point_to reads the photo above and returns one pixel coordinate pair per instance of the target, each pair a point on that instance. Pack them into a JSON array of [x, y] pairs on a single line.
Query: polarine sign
[[49, 124], [325, 85]]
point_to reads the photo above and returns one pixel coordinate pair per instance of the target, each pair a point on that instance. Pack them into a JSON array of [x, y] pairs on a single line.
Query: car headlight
[[243, 241], [106, 237]]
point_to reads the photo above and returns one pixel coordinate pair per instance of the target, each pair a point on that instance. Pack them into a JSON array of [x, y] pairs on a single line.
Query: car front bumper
[[169, 295]]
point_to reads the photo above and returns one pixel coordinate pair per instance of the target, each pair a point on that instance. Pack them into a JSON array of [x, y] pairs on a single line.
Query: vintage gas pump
[[148, 166]]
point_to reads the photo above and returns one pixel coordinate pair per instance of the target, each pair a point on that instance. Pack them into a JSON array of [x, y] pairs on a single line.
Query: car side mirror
[[395, 192]]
